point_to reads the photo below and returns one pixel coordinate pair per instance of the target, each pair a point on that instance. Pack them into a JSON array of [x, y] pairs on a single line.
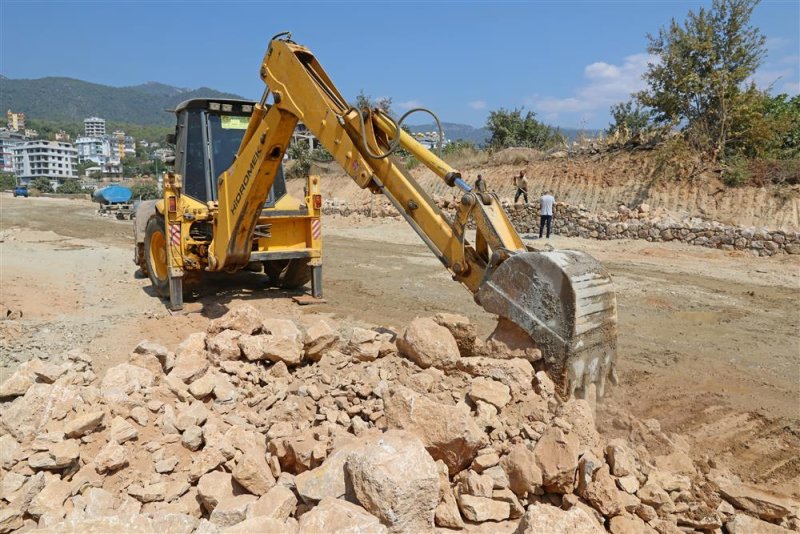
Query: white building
[[8, 140], [112, 169], [96, 149], [430, 140], [50, 159], [303, 136], [94, 127], [163, 153]]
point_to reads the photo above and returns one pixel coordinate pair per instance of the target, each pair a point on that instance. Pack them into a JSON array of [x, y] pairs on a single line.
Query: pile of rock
[[275, 425]]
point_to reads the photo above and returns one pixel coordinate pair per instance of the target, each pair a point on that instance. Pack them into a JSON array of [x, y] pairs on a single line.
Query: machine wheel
[[288, 274], [155, 255]]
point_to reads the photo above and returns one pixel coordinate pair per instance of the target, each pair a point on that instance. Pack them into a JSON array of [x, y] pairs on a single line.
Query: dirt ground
[[708, 340]]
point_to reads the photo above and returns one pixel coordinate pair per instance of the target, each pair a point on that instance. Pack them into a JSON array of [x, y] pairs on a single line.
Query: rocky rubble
[[266, 424]]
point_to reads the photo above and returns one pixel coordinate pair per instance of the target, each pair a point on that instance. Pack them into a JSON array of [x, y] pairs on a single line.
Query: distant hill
[[68, 99]]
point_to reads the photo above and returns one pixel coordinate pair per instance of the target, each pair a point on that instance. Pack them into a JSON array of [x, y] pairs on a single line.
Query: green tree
[[7, 181], [42, 185], [364, 101], [82, 166], [145, 191], [630, 120], [701, 68], [458, 145], [301, 162], [70, 187], [784, 113], [509, 128]]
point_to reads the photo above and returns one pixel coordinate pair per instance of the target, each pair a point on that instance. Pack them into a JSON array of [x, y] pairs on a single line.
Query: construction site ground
[[708, 339]]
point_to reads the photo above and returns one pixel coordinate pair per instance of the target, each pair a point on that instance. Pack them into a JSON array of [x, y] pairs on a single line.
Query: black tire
[[159, 274], [288, 274]]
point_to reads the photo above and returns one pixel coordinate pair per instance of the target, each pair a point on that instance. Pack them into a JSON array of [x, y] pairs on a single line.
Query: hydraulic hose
[[394, 144]]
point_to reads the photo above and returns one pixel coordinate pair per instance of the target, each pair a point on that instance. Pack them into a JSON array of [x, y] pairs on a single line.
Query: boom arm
[[564, 299], [303, 91]]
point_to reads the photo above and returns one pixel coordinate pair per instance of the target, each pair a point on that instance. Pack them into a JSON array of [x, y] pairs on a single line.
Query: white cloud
[[477, 104], [776, 43], [781, 75], [791, 88], [600, 70], [607, 84], [408, 104], [768, 77]]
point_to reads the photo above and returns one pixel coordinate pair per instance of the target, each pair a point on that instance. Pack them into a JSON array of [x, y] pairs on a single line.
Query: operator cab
[[208, 134]]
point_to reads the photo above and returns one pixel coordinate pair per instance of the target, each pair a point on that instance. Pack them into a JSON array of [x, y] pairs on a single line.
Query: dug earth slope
[[602, 182]]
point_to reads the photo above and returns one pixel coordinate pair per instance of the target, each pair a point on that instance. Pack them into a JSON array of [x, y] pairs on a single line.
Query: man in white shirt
[[546, 204]]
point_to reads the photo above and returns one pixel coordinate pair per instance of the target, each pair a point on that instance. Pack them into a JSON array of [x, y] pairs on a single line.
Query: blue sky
[[567, 61]]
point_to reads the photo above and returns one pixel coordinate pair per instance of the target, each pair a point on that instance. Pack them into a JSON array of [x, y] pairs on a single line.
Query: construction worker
[[546, 204], [480, 183], [521, 182]]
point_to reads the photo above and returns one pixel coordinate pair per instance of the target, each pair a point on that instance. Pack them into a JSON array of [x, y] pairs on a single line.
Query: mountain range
[[68, 99], [72, 100]]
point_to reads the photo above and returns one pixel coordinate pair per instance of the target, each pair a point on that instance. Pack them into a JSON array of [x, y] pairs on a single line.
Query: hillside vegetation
[[71, 100]]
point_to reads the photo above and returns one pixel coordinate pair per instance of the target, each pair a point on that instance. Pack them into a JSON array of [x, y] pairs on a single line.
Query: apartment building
[[50, 159], [8, 140], [122, 145], [94, 127], [16, 121], [96, 149]]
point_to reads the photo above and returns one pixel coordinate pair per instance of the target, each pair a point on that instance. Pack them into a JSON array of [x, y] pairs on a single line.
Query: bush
[[70, 187], [778, 172], [510, 128], [145, 191], [42, 185], [736, 172], [7, 181]]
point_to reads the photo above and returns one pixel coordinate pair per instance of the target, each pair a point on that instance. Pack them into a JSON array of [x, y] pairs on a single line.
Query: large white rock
[[245, 319], [428, 345], [327, 480], [448, 432], [557, 456], [546, 519], [395, 479], [335, 516], [253, 473]]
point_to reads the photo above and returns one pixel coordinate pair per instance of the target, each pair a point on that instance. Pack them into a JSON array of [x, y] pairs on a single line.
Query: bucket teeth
[[565, 301]]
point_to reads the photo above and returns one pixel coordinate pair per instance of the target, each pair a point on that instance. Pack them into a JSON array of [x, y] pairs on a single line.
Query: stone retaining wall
[[626, 223], [641, 223]]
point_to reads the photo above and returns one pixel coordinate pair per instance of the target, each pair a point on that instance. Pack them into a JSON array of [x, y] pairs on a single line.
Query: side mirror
[[170, 138]]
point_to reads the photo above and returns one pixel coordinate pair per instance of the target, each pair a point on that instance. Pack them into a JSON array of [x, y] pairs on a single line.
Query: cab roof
[[202, 103]]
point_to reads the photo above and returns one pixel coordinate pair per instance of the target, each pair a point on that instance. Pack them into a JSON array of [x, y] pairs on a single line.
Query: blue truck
[[21, 191]]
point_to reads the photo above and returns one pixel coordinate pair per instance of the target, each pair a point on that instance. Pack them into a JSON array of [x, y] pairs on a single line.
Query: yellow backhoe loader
[[224, 209]]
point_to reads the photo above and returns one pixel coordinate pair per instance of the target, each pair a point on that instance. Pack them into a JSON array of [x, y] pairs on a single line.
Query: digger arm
[[302, 90], [563, 299]]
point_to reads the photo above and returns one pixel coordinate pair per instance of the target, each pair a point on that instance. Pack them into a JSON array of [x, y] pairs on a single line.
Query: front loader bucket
[[565, 301]]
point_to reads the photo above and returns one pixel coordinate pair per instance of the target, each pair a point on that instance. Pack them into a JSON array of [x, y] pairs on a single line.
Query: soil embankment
[[602, 182]]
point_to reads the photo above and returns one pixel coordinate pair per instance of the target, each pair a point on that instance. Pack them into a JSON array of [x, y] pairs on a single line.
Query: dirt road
[[708, 340]]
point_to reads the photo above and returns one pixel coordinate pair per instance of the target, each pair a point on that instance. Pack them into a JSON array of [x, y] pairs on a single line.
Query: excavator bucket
[[565, 301]]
